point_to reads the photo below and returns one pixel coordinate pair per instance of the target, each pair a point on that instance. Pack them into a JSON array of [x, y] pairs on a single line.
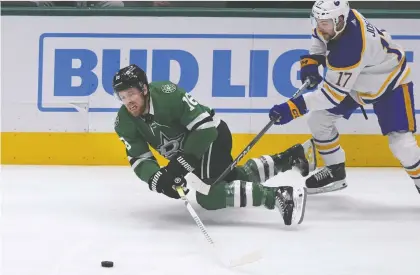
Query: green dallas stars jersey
[[179, 124]]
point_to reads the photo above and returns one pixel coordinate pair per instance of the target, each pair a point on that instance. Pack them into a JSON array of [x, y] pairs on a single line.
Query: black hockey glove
[[164, 182], [182, 164]]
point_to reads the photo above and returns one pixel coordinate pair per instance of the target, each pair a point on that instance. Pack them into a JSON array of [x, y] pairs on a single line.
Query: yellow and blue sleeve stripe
[[332, 93]]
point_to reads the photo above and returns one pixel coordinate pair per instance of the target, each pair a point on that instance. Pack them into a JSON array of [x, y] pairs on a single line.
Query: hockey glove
[[182, 164], [309, 69], [286, 112], [164, 182]]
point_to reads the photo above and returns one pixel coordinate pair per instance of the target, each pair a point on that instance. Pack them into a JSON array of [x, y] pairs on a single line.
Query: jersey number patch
[[190, 101], [346, 79], [127, 145]]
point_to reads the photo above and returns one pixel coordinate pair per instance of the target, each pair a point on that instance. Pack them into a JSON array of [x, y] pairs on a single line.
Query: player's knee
[[404, 147], [313, 121], [321, 124], [203, 201], [215, 199]]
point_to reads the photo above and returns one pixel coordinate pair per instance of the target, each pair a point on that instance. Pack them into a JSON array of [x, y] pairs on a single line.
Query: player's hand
[[286, 112], [309, 69], [182, 164], [164, 182]]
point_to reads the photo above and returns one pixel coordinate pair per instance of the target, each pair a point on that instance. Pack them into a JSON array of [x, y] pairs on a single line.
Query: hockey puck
[[107, 264]]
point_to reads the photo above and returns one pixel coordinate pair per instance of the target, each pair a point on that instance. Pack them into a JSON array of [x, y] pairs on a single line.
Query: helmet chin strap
[[338, 32]]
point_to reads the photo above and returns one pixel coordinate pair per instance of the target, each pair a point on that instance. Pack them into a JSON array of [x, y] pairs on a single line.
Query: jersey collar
[[151, 109]]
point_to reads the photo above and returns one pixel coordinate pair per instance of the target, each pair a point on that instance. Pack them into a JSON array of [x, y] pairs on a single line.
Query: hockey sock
[[414, 172], [405, 149], [330, 150], [237, 194], [259, 170]]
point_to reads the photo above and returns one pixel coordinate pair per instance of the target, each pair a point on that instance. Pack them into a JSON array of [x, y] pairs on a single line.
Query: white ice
[[58, 220]]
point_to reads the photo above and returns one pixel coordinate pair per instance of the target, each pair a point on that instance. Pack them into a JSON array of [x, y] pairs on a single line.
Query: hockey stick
[[364, 112], [246, 259], [257, 138], [194, 215]]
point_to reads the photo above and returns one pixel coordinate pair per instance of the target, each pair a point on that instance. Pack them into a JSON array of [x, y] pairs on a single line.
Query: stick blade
[[246, 259]]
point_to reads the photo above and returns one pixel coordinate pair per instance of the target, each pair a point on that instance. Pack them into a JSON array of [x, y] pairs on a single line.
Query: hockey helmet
[[328, 12], [131, 76]]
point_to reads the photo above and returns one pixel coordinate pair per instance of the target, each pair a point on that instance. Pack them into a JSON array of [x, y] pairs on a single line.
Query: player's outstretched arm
[[143, 161], [335, 87]]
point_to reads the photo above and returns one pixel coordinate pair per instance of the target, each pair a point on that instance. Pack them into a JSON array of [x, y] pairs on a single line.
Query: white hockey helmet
[[330, 11]]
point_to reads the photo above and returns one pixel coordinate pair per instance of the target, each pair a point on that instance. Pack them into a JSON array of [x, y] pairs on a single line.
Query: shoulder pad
[[347, 52]]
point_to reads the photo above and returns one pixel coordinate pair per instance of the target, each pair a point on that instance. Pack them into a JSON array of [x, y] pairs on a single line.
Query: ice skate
[[328, 179], [291, 203], [300, 157]]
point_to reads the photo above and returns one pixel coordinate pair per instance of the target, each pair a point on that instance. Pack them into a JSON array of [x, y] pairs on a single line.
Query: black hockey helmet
[[131, 76]]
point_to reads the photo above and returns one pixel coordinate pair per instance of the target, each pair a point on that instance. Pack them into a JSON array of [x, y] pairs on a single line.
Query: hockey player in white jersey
[[364, 66]]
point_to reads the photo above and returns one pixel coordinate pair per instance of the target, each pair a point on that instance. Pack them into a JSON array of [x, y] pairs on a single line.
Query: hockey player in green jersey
[[163, 116]]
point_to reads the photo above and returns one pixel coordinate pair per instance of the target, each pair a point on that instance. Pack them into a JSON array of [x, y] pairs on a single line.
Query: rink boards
[[57, 103]]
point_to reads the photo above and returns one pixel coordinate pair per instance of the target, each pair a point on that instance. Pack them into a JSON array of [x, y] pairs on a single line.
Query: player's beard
[[133, 108], [335, 35], [326, 36], [138, 110]]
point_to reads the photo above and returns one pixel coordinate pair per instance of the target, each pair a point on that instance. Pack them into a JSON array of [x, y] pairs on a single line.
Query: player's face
[[134, 101], [326, 28]]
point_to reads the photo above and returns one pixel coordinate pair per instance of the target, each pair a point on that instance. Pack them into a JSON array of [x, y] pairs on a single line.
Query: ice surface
[[58, 220]]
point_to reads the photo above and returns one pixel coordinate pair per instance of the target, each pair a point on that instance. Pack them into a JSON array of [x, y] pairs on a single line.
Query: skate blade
[[336, 186], [303, 208], [300, 202]]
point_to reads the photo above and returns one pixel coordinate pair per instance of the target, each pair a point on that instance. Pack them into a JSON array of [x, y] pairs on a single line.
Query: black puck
[[107, 264]]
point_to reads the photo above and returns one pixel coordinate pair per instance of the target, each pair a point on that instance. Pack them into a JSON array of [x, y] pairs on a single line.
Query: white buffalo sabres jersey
[[364, 63]]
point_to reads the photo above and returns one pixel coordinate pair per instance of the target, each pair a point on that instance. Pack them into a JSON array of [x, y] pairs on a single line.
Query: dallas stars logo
[[155, 125], [168, 88], [169, 147]]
